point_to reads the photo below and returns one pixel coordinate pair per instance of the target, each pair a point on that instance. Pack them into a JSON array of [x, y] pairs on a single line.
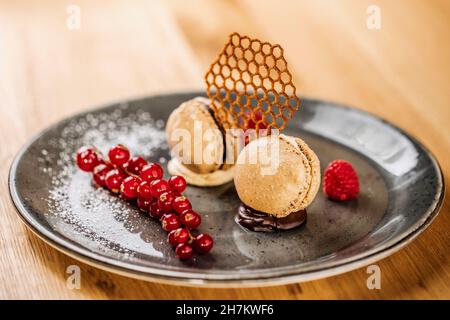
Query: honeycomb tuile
[[249, 85]]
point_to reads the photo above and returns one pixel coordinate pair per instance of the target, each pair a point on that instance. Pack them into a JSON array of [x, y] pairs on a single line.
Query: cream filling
[[212, 179]]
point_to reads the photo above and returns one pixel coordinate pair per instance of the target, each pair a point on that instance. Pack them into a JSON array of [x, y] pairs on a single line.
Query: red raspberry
[[340, 181]]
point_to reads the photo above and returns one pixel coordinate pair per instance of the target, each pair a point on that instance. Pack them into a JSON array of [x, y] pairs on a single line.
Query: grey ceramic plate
[[401, 193]]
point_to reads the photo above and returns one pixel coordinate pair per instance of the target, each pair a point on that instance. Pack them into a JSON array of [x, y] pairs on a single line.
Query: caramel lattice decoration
[[250, 85]]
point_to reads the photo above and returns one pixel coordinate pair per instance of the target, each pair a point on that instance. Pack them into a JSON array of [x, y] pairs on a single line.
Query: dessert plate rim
[[260, 277]]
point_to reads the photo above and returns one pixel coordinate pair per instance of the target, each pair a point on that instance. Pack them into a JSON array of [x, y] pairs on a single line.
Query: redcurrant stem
[[191, 237], [130, 174], [99, 153]]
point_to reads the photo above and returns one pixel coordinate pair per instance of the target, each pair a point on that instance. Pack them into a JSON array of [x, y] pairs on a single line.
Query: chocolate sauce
[[224, 157], [262, 222]]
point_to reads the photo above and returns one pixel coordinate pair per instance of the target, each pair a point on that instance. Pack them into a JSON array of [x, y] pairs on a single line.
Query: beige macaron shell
[[185, 117], [270, 192], [290, 188], [315, 174], [216, 178]]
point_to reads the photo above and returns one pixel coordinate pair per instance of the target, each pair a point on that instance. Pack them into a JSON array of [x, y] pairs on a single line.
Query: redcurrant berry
[[181, 204], [159, 186], [190, 219], [134, 165], [177, 236], [183, 213], [143, 204], [177, 183], [129, 187], [154, 211], [184, 251], [151, 171], [100, 172], [102, 161], [145, 190], [165, 201], [113, 180], [203, 243], [119, 155], [87, 159], [170, 221], [176, 193]]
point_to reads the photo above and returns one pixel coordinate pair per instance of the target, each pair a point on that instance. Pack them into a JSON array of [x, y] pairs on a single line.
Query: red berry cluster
[[134, 179]]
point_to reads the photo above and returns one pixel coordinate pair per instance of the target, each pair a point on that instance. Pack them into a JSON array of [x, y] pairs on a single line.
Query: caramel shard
[[250, 86]]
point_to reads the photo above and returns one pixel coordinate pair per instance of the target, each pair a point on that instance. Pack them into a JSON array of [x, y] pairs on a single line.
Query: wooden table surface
[[126, 49]]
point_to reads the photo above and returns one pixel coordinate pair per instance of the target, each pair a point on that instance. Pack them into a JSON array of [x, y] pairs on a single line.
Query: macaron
[[277, 175], [193, 118], [198, 144]]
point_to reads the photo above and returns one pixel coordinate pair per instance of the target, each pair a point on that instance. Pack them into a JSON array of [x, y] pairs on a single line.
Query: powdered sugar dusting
[[77, 207]]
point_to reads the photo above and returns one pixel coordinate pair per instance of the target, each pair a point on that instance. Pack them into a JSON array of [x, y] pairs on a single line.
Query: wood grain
[[123, 50]]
